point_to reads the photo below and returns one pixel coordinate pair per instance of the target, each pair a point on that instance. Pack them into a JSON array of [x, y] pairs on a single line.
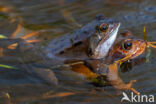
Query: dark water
[[54, 18]]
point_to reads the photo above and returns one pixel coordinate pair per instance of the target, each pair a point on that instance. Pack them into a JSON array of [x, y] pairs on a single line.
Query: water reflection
[[57, 18]]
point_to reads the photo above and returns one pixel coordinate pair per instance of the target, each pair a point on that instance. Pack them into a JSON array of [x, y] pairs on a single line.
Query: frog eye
[[127, 45], [104, 27]]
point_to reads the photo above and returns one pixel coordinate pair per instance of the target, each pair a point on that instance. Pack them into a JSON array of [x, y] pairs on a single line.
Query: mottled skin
[[102, 40], [92, 45], [125, 48], [88, 42]]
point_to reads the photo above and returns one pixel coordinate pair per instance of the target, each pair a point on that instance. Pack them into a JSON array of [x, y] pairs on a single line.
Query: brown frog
[[125, 48], [92, 41], [91, 45]]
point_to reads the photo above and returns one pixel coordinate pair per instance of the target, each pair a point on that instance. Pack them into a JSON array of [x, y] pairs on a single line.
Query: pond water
[[54, 18]]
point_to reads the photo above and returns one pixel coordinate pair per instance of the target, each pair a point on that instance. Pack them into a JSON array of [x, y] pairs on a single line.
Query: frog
[[92, 41], [125, 48], [100, 53]]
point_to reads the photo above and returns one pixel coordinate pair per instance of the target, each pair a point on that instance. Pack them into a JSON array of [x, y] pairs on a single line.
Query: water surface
[[58, 17]]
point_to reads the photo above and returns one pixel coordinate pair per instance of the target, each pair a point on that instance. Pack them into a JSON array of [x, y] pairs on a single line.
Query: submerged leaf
[[2, 36], [1, 52], [145, 34], [7, 66], [12, 46], [14, 34], [148, 55], [29, 35], [61, 94]]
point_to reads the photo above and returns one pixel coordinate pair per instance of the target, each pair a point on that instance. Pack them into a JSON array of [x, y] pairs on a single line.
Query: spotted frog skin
[[101, 42], [125, 48], [95, 45], [94, 40]]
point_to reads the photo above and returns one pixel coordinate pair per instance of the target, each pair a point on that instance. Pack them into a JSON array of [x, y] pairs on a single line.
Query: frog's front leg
[[129, 87], [116, 81], [111, 72]]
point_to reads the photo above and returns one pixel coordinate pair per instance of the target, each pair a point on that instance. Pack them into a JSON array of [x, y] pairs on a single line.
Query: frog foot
[[129, 87]]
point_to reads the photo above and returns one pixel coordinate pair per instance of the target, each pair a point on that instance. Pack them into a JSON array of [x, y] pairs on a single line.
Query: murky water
[[54, 18]]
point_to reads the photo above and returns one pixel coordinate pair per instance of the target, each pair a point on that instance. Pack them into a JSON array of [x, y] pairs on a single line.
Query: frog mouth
[[103, 49], [137, 49], [114, 29]]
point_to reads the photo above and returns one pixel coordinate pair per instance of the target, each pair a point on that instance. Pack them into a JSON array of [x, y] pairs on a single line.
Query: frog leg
[[82, 69], [129, 87], [116, 81], [151, 44]]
